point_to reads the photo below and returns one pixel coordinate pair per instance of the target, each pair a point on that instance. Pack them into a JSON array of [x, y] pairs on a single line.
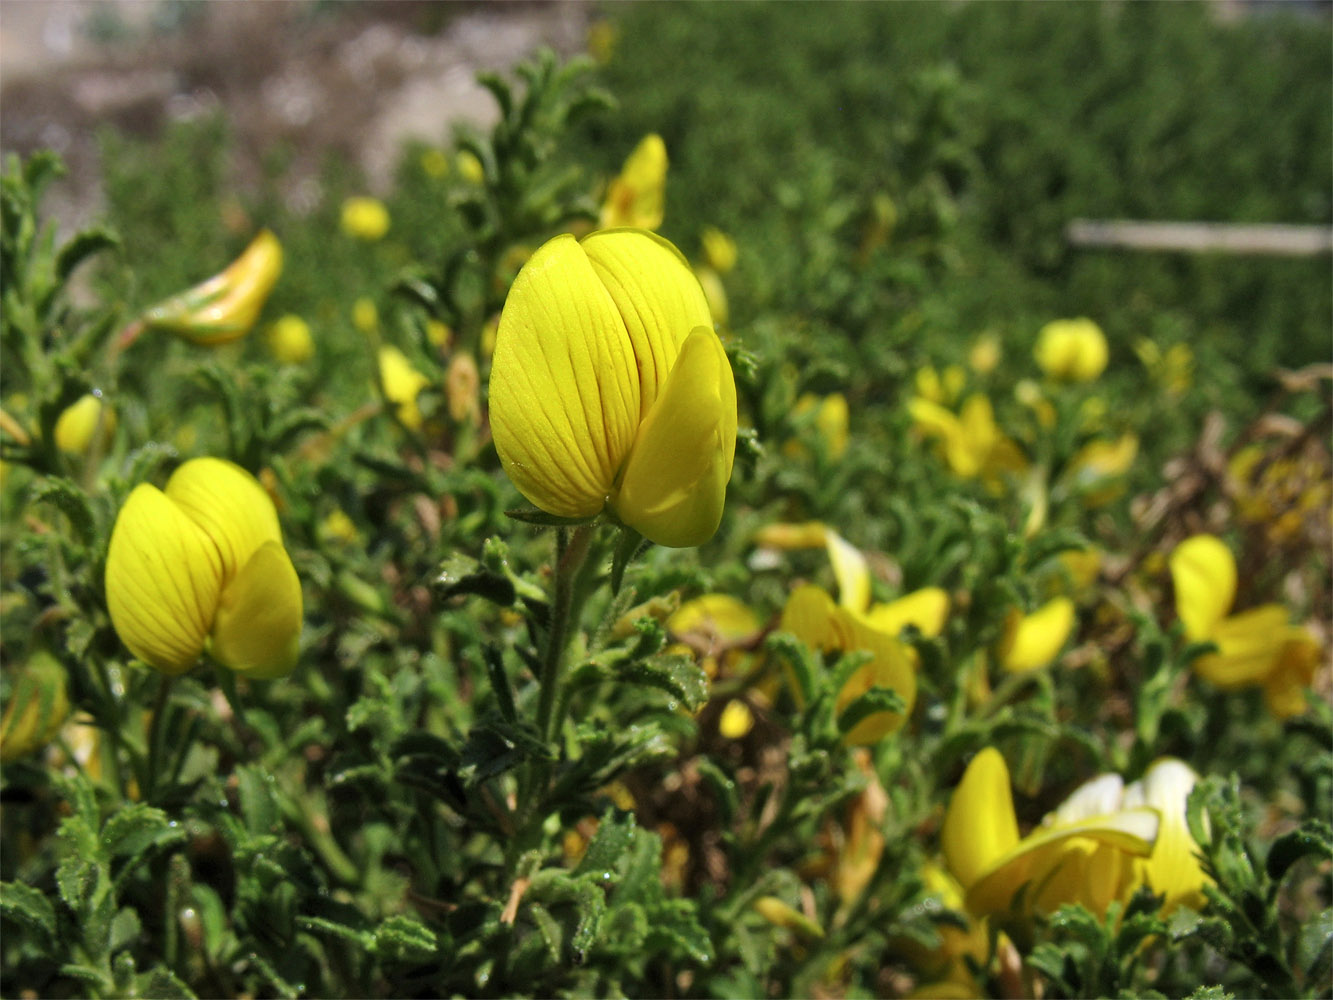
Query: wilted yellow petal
[[1204, 574], [163, 578], [926, 609], [658, 298], [979, 827], [1172, 870], [675, 482], [564, 391], [1033, 641], [230, 507], [258, 626]]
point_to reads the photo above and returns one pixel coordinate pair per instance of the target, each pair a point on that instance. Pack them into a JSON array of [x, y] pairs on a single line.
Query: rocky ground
[[354, 78]]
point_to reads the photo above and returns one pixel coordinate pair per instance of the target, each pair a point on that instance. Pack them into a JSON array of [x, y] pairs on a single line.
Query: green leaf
[[80, 248], [29, 907], [798, 658], [615, 835], [1314, 947], [676, 674], [77, 878], [1313, 837], [460, 575], [628, 545], [403, 939], [160, 983], [874, 702], [133, 828], [255, 794], [71, 501]]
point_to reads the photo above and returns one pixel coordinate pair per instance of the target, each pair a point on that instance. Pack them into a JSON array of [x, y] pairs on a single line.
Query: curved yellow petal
[[808, 615], [258, 626], [1097, 796], [1173, 869], [1204, 574], [228, 505], [926, 609], [1033, 641], [809, 535], [851, 571], [163, 577], [1054, 863], [658, 297], [1248, 646], [675, 482], [980, 827], [564, 389]]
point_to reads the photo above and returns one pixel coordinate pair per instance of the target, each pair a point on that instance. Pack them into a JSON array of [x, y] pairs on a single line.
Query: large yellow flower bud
[[1071, 349], [610, 388], [201, 566]]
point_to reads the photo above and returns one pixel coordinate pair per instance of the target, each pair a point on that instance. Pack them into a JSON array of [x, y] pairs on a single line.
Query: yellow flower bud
[[469, 167], [637, 197], [1073, 350], [736, 720], [365, 317], [1033, 641], [402, 384], [434, 163], [609, 388], [37, 707], [77, 425], [365, 219], [201, 566], [224, 307], [289, 340], [985, 354]]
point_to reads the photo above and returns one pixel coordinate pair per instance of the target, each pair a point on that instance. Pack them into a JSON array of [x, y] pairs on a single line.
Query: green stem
[[156, 735], [571, 551]]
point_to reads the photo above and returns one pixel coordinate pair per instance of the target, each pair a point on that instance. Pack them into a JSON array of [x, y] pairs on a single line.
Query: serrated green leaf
[[676, 674], [403, 939], [76, 878], [602, 859], [29, 907], [254, 792], [460, 575], [160, 983], [876, 701], [552, 934], [71, 501], [1314, 947], [133, 828], [1312, 838]]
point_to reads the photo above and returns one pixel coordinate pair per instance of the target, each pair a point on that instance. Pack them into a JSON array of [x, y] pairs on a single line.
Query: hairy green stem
[[571, 551]]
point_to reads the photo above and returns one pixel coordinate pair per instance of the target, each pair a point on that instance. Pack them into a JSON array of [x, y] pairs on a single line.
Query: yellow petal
[[1071, 349], [675, 482], [809, 535], [736, 720], [1204, 574], [718, 616], [851, 571], [1054, 862], [658, 298], [926, 609], [163, 577], [228, 505], [637, 196], [1033, 641], [1248, 646], [402, 384], [980, 826], [808, 615], [79, 422], [1172, 869], [564, 390], [258, 627], [891, 667]]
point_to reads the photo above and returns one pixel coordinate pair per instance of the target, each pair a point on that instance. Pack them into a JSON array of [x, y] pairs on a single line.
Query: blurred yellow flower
[[36, 709], [636, 199], [719, 628], [339, 527], [715, 293], [364, 218], [602, 35], [224, 307], [201, 566], [1028, 393], [719, 250], [402, 384], [1083, 852], [1173, 370], [365, 317], [434, 163], [972, 442], [781, 914], [985, 354], [78, 423], [438, 334], [289, 340], [1033, 641], [1094, 470], [609, 387], [469, 167], [831, 418], [736, 720], [1073, 350], [1257, 647]]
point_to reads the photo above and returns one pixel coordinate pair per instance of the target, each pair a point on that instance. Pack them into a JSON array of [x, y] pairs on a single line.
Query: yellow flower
[[339, 527], [1084, 852], [438, 333], [972, 442], [719, 250], [224, 307], [289, 340], [718, 627], [201, 566], [715, 293], [1172, 870], [1073, 350], [636, 198], [402, 384], [1033, 641], [469, 167], [78, 423], [365, 317], [365, 219], [1030, 395], [985, 354], [37, 706], [831, 418], [736, 720], [602, 35], [1173, 371], [1254, 647], [1095, 470], [434, 163], [609, 388]]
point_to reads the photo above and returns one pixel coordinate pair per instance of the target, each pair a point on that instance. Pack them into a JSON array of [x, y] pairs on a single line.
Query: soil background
[[350, 79]]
